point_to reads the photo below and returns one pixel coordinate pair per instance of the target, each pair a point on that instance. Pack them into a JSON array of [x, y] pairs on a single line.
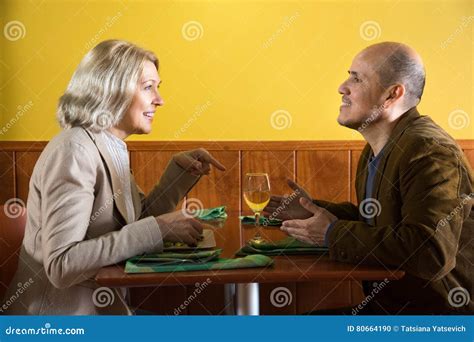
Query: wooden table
[[230, 237]]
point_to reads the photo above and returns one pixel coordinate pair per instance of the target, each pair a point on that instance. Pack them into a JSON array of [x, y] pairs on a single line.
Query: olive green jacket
[[423, 221]]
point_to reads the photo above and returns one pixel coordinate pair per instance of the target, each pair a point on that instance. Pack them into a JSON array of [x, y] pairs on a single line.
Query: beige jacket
[[76, 224]]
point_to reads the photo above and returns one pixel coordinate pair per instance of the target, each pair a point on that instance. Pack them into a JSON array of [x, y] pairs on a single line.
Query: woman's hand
[[197, 162], [178, 226]]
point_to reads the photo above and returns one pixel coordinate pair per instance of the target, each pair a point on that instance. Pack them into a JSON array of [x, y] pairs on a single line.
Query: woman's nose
[[158, 100]]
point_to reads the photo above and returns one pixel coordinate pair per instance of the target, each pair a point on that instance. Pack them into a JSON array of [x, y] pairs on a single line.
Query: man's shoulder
[[424, 135]]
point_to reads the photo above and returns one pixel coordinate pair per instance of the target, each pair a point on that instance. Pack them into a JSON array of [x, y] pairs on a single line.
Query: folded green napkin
[[287, 246], [263, 221], [212, 213], [195, 261]]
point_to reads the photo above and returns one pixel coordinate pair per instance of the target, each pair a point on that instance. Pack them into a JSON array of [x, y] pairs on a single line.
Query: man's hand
[[289, 207], [312, 230], [177, 226], [197, 162]]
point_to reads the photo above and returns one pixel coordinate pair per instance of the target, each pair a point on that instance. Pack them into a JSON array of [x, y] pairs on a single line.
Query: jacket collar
[[118, 191], [403, 123]]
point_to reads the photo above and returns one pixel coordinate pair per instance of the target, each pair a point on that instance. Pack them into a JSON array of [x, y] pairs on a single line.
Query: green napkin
[[250, 261], [263, 221], [212, 213], [287, 246]]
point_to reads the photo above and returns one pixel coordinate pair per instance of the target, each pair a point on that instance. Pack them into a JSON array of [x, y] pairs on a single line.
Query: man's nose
[[343, 90]]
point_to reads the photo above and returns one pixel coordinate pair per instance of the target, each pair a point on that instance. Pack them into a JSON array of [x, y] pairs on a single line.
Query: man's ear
[[395, 93]]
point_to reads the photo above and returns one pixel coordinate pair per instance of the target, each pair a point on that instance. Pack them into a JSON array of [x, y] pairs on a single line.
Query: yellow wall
[[252, 58]]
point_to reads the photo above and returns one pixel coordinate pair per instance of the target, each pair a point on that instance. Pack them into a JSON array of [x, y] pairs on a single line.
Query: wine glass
[[257, 196]]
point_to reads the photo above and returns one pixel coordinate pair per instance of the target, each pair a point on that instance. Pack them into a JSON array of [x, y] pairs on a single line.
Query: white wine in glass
[[257, 196]]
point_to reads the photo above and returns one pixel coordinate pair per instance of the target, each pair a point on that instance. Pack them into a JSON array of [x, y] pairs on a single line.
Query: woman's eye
[[148, 87]]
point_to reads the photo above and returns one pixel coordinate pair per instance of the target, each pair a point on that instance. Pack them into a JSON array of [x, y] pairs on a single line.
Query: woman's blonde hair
[[103, 85]]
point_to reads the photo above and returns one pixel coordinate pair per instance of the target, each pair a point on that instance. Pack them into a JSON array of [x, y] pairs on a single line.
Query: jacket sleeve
[[173, 185], [435, 191], [343, 211], [67, 189]]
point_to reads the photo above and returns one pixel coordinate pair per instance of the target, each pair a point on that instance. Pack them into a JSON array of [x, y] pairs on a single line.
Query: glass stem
[[257, 224]]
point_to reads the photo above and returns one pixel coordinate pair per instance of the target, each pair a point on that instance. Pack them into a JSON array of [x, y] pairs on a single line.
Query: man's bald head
[[398, 63]]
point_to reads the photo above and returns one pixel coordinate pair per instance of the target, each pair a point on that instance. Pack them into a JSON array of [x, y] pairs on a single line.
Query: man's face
[[362, 95]]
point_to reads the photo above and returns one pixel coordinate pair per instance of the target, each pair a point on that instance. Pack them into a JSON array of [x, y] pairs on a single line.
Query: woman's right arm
[[67, 187]]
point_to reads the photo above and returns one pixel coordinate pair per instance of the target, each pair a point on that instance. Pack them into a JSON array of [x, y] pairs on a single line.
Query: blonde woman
[[84, 209]]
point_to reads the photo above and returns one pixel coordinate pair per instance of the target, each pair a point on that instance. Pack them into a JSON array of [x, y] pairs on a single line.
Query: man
[[414, 189]]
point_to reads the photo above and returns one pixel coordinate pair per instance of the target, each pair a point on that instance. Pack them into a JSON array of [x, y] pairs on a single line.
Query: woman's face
[[139, 116]]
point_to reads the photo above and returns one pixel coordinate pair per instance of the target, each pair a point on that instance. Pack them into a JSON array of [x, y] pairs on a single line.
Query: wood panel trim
[[308, 145]]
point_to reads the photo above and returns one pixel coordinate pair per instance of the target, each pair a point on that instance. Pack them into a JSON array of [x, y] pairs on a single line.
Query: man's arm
[[343, 211], [425, 242]]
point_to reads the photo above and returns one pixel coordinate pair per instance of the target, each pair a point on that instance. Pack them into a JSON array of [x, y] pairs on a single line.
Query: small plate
[[208, 241]]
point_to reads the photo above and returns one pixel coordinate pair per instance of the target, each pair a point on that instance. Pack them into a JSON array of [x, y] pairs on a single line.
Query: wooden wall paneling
[[357, 292], [355, 156], [148, 166], [165, 300], [323, 295], [470, 157], [324, 174], [216, 189], [280, 165], [25, 162], [7, 174]]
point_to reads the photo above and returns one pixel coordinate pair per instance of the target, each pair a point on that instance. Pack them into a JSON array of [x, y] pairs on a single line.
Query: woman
[[84, 209]]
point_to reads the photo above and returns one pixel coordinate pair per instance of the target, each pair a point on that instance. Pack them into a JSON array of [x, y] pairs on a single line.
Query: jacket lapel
[[403, 123], [136, 198], [361, 177], [118, 192]]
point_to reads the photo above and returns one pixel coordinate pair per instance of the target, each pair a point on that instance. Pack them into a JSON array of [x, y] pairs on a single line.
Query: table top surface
[[231, 236]]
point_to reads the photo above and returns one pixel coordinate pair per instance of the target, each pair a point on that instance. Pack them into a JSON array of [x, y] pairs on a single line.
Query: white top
[[119, 153]]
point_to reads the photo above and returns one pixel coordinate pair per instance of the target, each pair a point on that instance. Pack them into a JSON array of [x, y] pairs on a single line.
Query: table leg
[[247, 299], [229, 299]]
